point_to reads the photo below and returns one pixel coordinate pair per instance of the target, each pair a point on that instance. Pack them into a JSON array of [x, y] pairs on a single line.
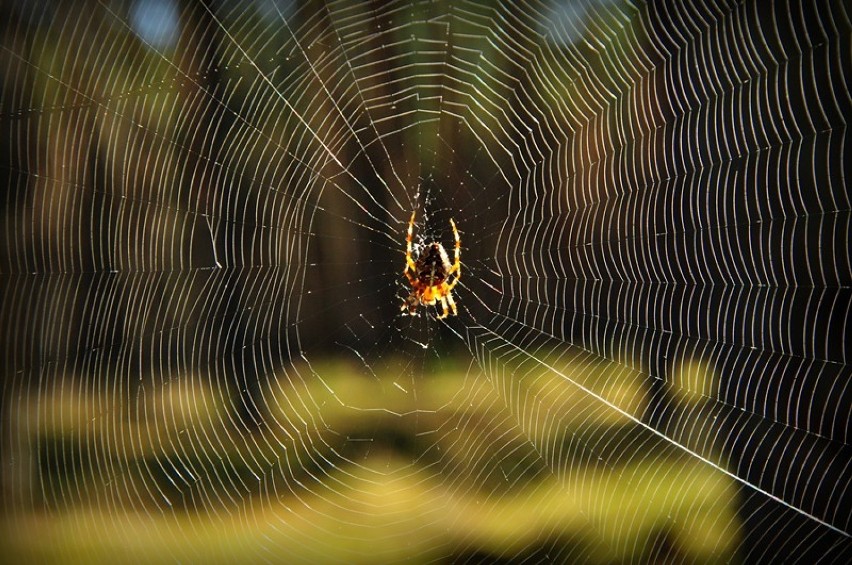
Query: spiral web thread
[[203, 244]]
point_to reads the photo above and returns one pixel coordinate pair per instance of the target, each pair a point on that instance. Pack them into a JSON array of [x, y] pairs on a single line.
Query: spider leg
[[409, 262], [445, 311], [452, 304], [456, 268], [410, 304]]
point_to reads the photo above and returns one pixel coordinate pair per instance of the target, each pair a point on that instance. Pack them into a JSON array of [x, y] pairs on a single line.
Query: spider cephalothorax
[[430, 274]]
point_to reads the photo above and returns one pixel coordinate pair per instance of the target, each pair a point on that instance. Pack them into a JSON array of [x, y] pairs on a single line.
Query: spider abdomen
[[433, 265]]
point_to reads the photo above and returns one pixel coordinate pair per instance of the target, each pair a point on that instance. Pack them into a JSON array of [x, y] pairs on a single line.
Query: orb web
[[204, 223]]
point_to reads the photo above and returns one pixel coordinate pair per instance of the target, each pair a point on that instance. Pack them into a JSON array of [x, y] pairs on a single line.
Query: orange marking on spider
[[429, 276]]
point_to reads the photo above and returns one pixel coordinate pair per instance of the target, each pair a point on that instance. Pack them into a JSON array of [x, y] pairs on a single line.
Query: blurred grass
[[410, 515], [355, 469]]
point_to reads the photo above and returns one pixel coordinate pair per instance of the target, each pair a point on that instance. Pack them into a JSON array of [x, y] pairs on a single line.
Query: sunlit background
[[207, 350]]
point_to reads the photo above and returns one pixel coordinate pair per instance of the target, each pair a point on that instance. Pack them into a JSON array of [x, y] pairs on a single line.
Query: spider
[[431, 273]]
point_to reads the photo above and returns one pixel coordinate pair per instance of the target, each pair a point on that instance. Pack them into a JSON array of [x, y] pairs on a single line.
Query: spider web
[[204, 216]]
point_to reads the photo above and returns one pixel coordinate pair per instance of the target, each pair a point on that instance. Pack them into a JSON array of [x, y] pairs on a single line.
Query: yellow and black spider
[[430, 281]]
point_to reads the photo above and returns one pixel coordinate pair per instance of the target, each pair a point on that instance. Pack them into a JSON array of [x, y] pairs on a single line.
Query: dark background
[[217, 193]]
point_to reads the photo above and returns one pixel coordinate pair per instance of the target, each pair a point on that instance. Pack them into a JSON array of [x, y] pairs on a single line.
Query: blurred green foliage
[[360, 470]]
